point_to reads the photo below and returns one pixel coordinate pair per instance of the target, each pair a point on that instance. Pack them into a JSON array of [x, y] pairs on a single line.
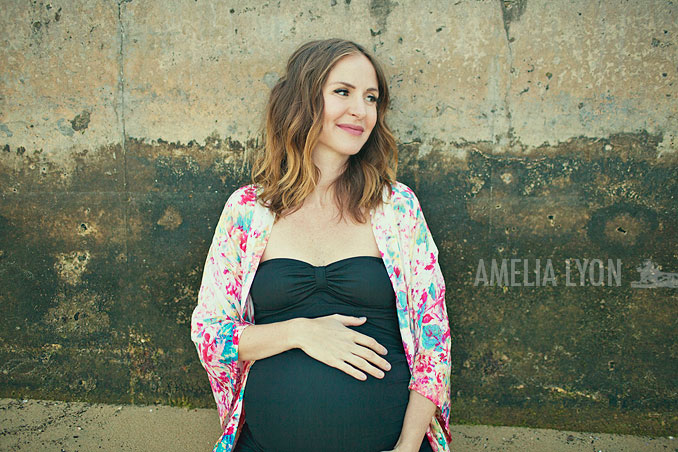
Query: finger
[[361, 364], [376, 360], [371, 357], [352, 371], [350, 320], [370, 342]]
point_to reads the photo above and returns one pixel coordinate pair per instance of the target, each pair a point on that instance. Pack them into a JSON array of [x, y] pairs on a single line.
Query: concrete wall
[[529, 130]]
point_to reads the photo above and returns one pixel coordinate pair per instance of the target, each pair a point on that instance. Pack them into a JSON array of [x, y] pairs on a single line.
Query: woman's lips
[[351, 130]]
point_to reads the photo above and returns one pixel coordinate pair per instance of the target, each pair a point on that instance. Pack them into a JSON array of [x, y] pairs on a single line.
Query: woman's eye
[[344, 92]]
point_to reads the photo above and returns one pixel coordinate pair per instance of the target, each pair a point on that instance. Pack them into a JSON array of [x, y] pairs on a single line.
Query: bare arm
[[326, 339], [262, 341], [418, 415]]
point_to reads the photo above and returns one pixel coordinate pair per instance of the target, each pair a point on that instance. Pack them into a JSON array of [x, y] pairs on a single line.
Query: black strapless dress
[[294, 403]]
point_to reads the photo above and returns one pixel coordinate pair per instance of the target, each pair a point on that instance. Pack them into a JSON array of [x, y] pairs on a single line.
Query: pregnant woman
[[321, 317]]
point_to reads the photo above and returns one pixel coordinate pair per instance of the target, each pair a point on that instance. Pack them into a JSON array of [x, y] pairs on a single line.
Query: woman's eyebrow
[[351, 86]]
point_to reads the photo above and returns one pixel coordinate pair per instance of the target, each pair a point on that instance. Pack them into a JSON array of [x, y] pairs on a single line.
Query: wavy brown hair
[[284, 167]]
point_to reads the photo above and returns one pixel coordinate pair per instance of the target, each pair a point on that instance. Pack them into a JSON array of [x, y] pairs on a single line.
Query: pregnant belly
[[293, 402]]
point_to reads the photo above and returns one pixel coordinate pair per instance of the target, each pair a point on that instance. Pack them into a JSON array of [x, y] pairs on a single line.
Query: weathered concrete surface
[[59, 91], [592, 69], [529, 130], [75, 426]]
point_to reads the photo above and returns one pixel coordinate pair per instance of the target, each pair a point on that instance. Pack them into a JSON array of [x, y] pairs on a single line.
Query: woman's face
[[350, 94]]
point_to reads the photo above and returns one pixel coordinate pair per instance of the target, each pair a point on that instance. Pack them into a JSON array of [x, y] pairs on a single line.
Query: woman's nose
[[357, 107]]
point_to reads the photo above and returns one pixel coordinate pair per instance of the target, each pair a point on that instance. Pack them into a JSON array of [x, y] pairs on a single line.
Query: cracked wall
[[529, 130]]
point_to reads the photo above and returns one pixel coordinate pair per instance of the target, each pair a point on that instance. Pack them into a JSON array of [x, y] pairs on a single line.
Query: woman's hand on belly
[[328, 340]]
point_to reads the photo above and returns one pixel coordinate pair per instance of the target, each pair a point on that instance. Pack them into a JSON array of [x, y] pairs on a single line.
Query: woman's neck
[[331, 167]]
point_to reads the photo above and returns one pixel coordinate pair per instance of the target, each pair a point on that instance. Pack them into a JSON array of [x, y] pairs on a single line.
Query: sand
[[32, 425]]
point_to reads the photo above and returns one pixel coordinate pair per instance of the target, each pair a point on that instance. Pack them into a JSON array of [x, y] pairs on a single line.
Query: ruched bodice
[[286, 288], [295, 403]]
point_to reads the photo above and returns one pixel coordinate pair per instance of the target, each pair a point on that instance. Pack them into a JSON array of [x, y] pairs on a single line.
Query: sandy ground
[[69, 426]]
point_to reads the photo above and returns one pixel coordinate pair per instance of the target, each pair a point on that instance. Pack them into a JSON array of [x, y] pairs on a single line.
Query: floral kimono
[[225, 306]]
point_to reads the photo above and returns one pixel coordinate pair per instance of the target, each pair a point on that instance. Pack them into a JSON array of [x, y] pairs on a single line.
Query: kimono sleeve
[[432, 343], [217, 323]]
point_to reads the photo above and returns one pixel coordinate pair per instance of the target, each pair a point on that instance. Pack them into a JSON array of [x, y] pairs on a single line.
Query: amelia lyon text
[[536, 273]]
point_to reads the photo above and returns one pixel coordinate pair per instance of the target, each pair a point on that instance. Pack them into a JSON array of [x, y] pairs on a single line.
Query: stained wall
[[530, 130]]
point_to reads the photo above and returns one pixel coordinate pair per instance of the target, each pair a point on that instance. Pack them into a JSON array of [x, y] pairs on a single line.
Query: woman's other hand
[[328, 340]]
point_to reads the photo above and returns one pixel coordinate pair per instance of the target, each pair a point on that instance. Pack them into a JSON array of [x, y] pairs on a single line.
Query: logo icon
[[651, 276]]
